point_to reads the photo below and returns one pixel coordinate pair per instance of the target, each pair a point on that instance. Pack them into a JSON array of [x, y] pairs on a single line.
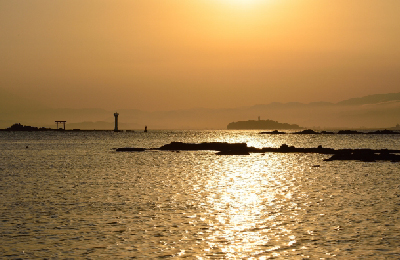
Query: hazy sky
[[178, 54]]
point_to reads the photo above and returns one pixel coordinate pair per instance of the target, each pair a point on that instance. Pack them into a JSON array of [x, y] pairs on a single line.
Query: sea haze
[[376, 111], [71, 195]]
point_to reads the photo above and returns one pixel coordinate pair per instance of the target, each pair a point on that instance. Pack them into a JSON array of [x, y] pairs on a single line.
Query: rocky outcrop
[[327, 133], [341, 132], [275, 132], [307, 132], [349, 132], [365, 155], [215, 146], [383, 132], [130, 149]]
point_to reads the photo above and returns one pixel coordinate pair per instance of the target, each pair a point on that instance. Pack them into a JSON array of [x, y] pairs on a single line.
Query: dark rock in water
[[223, 148], [364, 155], [383, 132], [348, 132], [205, 146], [233, 152], [327, 133], [307, 132], [285, 147], [275, 132], [130, 149]]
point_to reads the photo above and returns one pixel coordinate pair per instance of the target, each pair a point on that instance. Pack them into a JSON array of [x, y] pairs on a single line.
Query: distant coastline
[[240, 125], [26, 128], [340, 132], [261, 124]]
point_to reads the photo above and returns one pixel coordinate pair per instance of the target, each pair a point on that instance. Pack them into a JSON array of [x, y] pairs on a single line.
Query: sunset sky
[[179, 54]]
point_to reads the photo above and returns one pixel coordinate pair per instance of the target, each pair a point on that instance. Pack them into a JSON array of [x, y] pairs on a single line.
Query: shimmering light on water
[[69, 195]]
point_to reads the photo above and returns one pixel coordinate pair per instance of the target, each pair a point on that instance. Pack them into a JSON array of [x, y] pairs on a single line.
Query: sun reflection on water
[[247, 202], [252, 138]]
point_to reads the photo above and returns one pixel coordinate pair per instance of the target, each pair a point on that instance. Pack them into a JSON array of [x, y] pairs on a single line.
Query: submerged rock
[[205, 146], [348, 132], [275, 132], [307, 132], [130, 149], [233, 152], [383, 132], [364, 155], [327, 133]]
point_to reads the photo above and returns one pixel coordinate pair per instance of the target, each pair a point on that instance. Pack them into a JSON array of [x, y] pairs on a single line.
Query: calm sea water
[[70, 195]]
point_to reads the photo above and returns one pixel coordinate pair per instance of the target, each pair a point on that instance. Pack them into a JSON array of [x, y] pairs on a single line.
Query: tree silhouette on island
[[261, 124]]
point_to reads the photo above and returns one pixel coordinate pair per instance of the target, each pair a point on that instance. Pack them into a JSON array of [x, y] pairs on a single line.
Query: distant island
[[19, 127], [261, 124]]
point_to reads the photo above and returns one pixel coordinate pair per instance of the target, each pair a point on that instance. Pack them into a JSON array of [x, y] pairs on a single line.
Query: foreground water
[[70, 195]]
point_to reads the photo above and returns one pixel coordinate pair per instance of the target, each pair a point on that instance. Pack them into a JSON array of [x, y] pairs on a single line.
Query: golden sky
[[178, 54]]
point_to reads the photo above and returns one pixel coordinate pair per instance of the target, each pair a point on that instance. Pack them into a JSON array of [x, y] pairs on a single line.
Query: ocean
[[66, 195]]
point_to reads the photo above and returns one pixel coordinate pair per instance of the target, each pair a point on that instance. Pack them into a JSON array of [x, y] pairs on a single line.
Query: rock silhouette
[[222, 148], [275, 132]]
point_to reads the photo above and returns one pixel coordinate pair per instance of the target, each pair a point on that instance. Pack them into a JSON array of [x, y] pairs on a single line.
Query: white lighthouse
[[116, 122]]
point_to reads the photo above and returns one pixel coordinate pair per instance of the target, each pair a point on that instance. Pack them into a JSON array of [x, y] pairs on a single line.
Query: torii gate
[[61, 122]]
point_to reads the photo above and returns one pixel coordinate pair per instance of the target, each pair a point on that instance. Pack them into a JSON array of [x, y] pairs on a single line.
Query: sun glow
[[242, 3]]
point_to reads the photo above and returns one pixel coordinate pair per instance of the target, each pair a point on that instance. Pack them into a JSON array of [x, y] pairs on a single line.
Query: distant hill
[[372, 99], [261, 124]]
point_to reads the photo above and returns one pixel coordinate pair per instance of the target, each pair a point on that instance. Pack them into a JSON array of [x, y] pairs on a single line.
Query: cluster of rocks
[[222, 148], [364, 155], [130, 149]]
